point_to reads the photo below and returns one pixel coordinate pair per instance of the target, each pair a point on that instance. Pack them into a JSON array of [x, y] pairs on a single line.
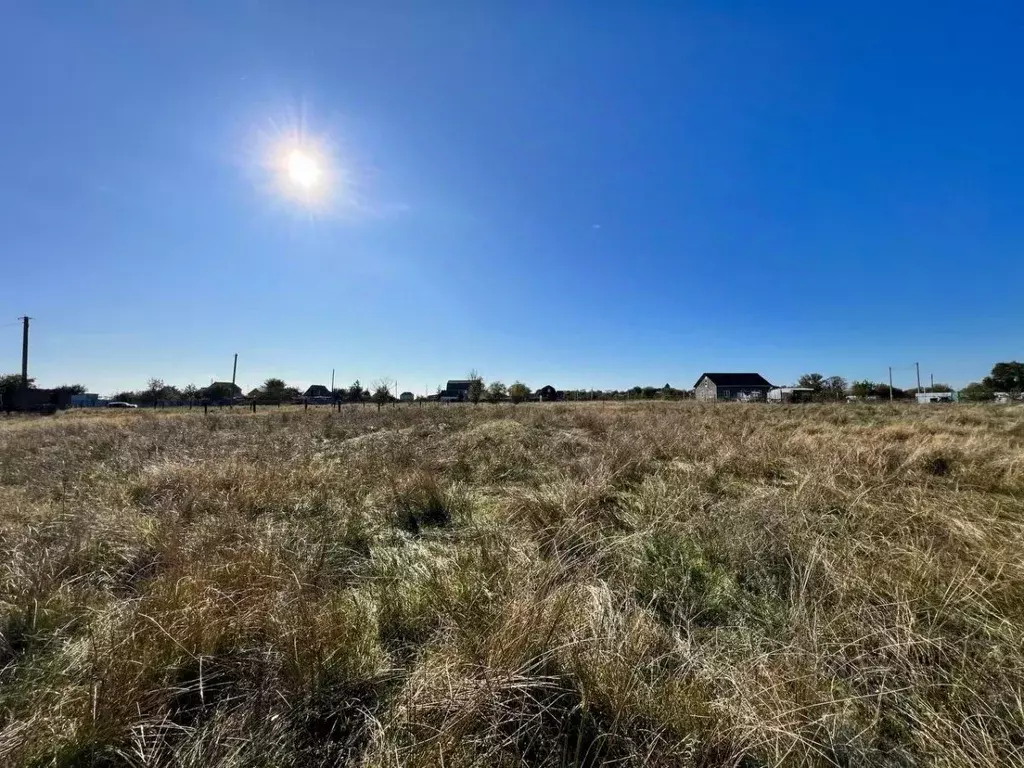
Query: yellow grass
[[543, 585]]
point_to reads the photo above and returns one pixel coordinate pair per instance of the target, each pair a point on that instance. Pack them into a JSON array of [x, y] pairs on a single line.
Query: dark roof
[[318, 390], [735, 379], [458, 384]]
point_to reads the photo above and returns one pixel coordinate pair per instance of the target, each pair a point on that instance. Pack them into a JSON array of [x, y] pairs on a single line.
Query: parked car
[[119, 404]]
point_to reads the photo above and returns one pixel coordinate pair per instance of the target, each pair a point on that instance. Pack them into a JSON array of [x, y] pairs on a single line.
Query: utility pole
[[24, 351], [332, 382], [890, 383], [234, 370], [932, 387], [917, 366]]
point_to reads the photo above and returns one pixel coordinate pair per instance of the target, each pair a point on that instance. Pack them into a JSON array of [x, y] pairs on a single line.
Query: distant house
[[407, 397], [732, 386], [548, 394], [222, 391], [317, 390], [456, 391], [86, 400]]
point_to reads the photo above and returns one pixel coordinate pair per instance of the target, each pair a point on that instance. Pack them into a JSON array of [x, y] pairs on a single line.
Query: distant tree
[[124, 396], [190, 392], [813, 381], [476, 387], [14, 379], [1006, 377], [881, 391], [71, 389], [863, 388], [518, 392], [834, 387], [382, 392], [154, 391], [355, 392], [274, 390], [976, 392], [649, 393], [496, 392], [940, 387], [10, 386]]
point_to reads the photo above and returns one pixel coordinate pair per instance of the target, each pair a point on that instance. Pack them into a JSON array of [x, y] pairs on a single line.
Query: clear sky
[[593, 194]]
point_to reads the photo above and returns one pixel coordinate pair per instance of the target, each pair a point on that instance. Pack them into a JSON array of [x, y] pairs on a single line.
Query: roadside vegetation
[[655, 584]]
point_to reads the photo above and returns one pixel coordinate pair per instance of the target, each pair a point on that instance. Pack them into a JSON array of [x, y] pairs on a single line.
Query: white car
[[119, 404]]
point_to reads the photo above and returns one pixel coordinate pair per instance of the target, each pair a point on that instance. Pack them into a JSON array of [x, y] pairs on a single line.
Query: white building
[[790, 395], [936, 397]]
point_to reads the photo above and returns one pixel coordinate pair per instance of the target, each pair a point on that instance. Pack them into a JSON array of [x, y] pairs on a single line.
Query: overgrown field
[[543, 585]]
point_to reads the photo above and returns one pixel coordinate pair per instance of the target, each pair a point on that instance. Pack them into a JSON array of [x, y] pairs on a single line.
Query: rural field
[[660, 584]]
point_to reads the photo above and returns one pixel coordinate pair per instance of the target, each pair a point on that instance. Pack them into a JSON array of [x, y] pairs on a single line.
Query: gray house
[[731, 386]]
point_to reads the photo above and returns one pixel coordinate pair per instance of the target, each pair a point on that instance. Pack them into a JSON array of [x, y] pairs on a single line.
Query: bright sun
[[303, 170]]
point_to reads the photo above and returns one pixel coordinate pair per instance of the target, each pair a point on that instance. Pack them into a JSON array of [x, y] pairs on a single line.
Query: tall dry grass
[[657, 584]]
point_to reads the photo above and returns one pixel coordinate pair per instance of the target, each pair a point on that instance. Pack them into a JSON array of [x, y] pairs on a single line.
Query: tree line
[[1005, 377]]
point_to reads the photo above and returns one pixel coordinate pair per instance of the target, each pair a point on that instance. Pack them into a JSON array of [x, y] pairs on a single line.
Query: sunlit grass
[[543, 585]]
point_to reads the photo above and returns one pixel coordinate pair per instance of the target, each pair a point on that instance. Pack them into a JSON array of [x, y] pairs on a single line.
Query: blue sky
[[585, 194]]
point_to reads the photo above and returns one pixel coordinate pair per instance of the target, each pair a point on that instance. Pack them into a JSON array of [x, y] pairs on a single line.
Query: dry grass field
[[543, 585]]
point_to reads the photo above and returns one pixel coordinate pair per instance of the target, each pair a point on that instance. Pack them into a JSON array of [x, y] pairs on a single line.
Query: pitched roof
[[458, 384], [735, 379], [318, 390]]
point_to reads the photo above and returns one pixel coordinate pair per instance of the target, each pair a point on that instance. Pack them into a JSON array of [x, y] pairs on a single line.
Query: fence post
[[205, 406]]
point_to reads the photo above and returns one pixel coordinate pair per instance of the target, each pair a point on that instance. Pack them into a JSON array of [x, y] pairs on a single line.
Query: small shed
[[790, 395]]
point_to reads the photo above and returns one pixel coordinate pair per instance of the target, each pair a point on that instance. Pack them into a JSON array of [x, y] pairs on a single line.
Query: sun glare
[[303, 170]]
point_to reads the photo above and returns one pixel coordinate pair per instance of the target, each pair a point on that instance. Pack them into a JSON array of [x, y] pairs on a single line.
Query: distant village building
[[407, 397], [936, 397], [456, 391], [790, 395], [731, 386], [317, 390], [222, 391], [87, 400], [548, 394]]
